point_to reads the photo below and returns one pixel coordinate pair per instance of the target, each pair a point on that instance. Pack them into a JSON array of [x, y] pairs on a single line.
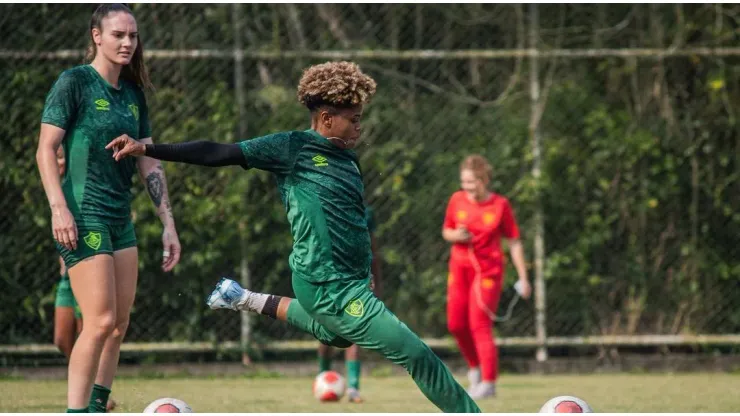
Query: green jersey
[[321, 188], [92, 112]]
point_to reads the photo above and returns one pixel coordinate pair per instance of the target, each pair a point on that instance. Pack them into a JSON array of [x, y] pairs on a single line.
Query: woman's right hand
[[462, 235], [64, 227], [124, 146]]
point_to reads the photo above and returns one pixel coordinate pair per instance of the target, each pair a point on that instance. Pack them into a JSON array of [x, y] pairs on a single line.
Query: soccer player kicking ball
[[320, 184]]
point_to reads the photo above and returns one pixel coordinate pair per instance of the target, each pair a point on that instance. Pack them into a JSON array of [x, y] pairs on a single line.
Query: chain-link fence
[[612, 127]]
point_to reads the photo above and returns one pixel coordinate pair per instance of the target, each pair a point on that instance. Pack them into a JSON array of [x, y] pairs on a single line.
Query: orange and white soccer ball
[[328, 386], [168, 405], [566, 404]]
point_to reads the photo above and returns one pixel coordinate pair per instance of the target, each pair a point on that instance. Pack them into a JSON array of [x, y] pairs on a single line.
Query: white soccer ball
[[328, 386], [566, 404], [168, 405]]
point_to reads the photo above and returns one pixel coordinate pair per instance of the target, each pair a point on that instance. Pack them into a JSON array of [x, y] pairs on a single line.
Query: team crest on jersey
[[320, 160], [462, 215], [102, 105], [488, 218], [134, 110], [355, 308], [93, 240]]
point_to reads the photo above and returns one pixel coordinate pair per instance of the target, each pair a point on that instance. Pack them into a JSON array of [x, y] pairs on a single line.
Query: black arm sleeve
[[199, 152]]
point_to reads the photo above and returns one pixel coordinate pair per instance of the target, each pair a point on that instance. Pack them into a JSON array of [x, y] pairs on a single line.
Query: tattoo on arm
[[155, 186], [167, 210]]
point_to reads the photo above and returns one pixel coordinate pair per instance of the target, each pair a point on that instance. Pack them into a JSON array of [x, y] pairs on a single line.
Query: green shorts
[[65, 298], [95, 238], [345, 307]]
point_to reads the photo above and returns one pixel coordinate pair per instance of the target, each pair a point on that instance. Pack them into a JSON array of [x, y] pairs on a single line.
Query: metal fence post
[[539, 229], [244, 275]]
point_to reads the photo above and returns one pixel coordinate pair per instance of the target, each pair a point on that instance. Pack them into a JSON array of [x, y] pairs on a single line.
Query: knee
[[101, 326], [119, 331], [457, 319], [457, 327], [417, 353], [339, 342], [482, 327], [64, 343], [324, 350]]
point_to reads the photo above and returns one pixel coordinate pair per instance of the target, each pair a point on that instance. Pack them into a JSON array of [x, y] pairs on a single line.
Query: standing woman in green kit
[[87, 107]]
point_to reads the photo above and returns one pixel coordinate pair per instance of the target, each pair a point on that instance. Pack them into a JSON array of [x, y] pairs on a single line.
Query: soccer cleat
[[353, 395], [483, 390], [473, 379], [227, 295]]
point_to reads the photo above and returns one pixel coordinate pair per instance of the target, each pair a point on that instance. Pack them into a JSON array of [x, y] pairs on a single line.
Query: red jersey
[[487, 222]]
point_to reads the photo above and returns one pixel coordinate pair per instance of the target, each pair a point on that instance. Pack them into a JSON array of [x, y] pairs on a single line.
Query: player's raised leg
[[228, 294], [365, 321], [350, 308]]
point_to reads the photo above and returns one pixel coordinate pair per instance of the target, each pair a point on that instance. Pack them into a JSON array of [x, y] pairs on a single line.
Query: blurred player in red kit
[[475, 221]]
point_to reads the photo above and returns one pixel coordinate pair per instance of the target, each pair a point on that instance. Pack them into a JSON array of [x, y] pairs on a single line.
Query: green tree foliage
[[640, 180]]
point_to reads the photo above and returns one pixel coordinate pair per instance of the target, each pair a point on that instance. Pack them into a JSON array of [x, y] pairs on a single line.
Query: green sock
[[353, 374], [324, 364], [84, 410], [99, 399]]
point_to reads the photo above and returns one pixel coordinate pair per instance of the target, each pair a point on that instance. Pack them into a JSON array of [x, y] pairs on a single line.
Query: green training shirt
[[321, 188], [92, 112]]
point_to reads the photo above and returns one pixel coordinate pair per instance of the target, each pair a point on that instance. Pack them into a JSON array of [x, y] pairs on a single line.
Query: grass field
[[517, 393]]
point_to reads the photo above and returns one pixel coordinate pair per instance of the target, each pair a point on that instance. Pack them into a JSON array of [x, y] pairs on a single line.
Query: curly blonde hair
[[336, 84]]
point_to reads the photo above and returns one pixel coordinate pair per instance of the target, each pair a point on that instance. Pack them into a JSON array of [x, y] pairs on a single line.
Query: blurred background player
[[474, 223], [352, 354], [88, 106], [67, 316], [320, 183]]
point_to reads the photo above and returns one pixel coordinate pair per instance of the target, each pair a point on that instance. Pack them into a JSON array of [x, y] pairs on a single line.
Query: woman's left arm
[[517, 257], [516, 249], [153, 177]]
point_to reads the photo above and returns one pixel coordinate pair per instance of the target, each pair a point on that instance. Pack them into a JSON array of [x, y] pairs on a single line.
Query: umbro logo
[[102, 105], [320, 160]]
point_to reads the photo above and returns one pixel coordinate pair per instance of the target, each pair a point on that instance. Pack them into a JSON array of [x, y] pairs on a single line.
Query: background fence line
[[612, 129], [398, 54]]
